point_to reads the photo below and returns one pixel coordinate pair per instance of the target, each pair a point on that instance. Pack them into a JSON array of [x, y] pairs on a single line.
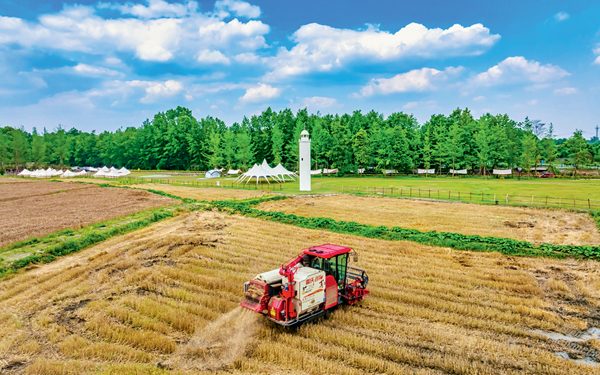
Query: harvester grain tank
[[312, 284]]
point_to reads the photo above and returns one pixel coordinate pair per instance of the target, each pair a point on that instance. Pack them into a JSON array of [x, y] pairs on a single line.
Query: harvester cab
[[316, 281]]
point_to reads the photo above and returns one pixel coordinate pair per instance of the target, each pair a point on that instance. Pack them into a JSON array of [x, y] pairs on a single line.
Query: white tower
[[304, 161]]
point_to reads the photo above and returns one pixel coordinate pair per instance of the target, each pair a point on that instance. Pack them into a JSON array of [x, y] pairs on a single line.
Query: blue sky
[[104, 65]]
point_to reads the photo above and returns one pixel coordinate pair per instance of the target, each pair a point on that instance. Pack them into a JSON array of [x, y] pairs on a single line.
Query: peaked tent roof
[[25, 172], [68, 174], [281, 171]]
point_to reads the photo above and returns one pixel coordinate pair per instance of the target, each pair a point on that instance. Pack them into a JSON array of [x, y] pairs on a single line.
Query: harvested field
[[166, 299], [536, 225], [11, 192], [73, 206], [203, 193], [12, 180]]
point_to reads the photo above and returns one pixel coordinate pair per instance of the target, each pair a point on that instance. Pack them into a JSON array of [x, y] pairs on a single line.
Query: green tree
[[360, 146], [483, 145], [454, 145], [20, 147], [579, 148], [529, 152], [214, 154], [38, 149], [277, 143]]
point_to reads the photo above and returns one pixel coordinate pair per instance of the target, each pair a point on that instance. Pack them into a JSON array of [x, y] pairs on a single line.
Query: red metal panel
[[327, 250], [331, 292]]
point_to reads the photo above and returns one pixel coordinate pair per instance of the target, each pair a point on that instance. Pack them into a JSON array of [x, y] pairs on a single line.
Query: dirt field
[[10, 192], [12, 180], [529, 224], [166, 299], [54, 206], [202, 193]]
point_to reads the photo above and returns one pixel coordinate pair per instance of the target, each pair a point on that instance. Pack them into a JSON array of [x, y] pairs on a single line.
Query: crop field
[[10, 192], [535, 225], [12, 180], [165, 300], [203, 193], [39, 208]]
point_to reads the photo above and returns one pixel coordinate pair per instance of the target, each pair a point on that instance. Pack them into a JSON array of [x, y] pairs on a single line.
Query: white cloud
[[429, 104], [212, 57], [597, 61], [89, 70], [322, 48], [532, 102], [319, 102], [478, 98], [597, 52], [155, 9], [157, 90], [424, 79], [561, 16], [260, 93], [565, 91], [112, 60], [239, 8], [518, 70], [157, 32], [247, 58]]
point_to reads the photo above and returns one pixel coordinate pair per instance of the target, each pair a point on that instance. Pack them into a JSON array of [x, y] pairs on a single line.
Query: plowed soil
[[41, 208]]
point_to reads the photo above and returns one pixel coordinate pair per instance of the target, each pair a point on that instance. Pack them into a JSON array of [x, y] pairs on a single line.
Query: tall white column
[[304, 161]]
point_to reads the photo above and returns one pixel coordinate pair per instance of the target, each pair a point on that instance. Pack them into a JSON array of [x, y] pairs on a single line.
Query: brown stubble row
[[537, 225], [144, 298], [36, 216]]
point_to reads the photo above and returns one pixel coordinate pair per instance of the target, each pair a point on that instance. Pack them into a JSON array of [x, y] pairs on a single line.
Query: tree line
[[176, 140]]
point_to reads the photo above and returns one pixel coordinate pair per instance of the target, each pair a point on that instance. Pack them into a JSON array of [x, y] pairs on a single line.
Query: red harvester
[[308, 287]]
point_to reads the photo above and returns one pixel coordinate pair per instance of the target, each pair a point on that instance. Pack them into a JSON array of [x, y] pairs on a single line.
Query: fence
[[540, 200]]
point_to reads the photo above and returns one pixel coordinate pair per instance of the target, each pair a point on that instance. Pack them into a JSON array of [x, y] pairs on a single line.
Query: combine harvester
[[308, 287]]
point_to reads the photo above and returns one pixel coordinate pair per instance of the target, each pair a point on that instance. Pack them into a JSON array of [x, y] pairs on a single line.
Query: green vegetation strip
[[69, 241], [457, 241]]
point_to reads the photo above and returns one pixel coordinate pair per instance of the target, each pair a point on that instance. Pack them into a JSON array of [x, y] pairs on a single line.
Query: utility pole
[[596, 131]]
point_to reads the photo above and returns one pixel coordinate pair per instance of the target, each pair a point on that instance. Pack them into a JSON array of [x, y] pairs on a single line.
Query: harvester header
[[309, 286]]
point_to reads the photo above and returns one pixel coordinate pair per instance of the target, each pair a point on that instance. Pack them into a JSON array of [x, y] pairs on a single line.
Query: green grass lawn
[[567, 189]]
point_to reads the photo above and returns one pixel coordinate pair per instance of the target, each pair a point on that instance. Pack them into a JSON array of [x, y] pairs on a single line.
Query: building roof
[[327, 250]]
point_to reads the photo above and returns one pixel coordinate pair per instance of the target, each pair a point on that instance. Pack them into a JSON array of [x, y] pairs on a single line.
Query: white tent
[[68, 174], [281, 171], [100, 173], [25, 172], [56, 173], [105, 169], [502, 171], [112, 174], [213, 173], [258, 172], [41, 174], [81, 173], [124, 172], [92, 169]]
